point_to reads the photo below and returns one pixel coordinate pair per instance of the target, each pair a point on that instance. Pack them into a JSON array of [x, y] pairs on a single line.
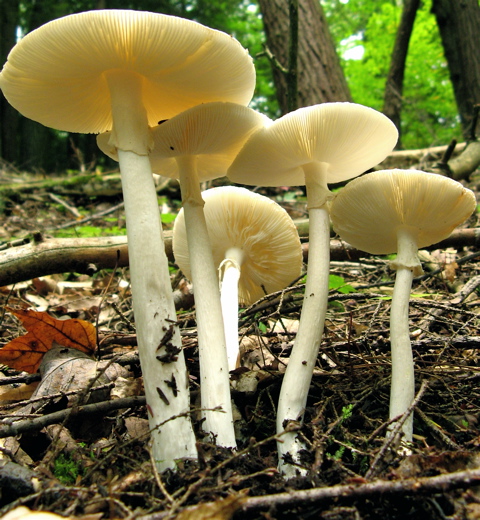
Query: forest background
[[348, 50]]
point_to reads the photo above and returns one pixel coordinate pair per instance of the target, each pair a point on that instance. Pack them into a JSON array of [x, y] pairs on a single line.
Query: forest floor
[[99, 467]]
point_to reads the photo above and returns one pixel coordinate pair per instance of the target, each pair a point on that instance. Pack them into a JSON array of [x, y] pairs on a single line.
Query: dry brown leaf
[[19, 393], [222, 509], [23, 513], [25, 352], [450, 271]]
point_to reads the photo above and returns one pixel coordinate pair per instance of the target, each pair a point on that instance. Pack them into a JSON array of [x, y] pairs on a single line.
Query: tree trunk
[[459, 25], [320, 76], [392, 105], [9, 20]]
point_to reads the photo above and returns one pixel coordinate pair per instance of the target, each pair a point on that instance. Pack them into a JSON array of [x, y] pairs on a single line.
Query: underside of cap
[[348, 138], [263, 230], [212, 132], [368, 211], [56, 75]]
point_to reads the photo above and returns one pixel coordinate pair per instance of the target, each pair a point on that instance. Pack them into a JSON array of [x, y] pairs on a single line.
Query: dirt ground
[[97, 465]]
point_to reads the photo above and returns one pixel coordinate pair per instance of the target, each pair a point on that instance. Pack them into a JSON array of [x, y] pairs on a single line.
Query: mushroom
[[123, 71], [196, 145], [400, 211], [255, 246], [312, 146]]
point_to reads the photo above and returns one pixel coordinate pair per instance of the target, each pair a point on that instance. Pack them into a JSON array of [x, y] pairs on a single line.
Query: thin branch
[[38, 423]]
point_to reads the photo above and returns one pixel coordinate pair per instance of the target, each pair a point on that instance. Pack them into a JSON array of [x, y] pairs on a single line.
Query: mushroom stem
[[402, 389], [166, 383], [229, 301], [214, 376], [296, 382]]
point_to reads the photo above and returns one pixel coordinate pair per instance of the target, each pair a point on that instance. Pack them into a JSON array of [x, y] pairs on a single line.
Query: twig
[[437, 431], [348, 492], [392, 437], [74, 211], [89, 218], [58, 417]]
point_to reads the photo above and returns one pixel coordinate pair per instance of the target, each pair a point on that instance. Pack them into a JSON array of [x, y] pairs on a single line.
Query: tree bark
[[459, 25], [320, 75], [9, 20], [392, 105]]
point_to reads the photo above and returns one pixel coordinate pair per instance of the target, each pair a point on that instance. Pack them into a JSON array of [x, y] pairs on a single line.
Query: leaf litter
[[353, 474]]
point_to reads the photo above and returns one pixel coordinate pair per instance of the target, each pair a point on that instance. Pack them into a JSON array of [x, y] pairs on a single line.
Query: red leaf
[[25, 352]]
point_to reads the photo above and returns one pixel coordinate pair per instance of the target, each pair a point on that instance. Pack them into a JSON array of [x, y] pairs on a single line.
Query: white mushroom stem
[[402, 390], [166, 383], [298, 376], [229, 300], [214, 376]]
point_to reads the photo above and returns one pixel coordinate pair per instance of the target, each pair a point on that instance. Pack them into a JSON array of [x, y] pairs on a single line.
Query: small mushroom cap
[[347, 137], [263, 230], [213, 132], [56, 74], [369, 211]]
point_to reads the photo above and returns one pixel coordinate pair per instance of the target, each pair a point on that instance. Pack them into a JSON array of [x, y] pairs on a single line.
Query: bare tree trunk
[[9, 15], [392, 104], [320, 76], [459, 25]]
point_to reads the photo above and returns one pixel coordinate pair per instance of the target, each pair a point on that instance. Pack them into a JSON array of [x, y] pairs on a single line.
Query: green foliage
[[65, 469], [168, 218], [429, 113], [347, 412], [262, 327], [90, 232], [337, 283]]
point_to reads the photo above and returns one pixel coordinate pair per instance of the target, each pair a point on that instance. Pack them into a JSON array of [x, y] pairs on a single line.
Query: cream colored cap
[[212, 132], [370, 210], [347, 137], [263, 230], [57, 74]]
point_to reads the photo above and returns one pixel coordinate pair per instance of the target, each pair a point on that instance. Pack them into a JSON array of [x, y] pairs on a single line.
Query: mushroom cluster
[[312, 146], [197, 145], [122, 71], [169, 96]]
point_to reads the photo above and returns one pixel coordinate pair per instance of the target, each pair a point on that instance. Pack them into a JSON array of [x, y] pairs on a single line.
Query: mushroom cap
[[213, 132], [56, 74], [347, 137], [263, 230], [369, 211]]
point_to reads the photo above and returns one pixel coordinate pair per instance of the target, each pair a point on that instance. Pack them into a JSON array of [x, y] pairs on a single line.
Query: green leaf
[[338, 284], [167, 218]]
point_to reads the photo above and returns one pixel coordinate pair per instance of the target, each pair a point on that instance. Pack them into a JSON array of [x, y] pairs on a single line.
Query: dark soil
[[106, 471]]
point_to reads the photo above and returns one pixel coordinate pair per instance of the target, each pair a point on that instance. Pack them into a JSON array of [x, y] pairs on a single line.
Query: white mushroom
[[255, 246], [400, 211], [312, 146]]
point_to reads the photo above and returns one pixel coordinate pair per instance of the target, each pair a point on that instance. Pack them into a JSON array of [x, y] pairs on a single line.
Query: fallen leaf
[[23, 513], [222, 509], [25, 352]]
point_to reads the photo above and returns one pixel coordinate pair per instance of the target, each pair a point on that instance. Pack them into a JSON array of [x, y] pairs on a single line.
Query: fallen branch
[[89, 255], [37, 423], [464, 160], [348, 492], [380, 487]]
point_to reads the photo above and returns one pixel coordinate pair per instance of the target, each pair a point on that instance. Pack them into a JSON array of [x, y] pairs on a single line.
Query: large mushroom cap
[[212, 132], [347, 137], [263, 230], [57, 74], [369, 211]]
